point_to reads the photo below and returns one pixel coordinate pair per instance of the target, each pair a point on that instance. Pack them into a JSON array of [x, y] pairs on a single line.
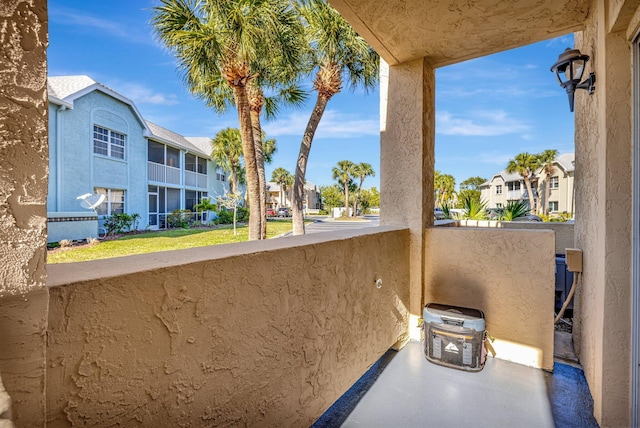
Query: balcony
[[273, 332], [163, 173], [195, 179]]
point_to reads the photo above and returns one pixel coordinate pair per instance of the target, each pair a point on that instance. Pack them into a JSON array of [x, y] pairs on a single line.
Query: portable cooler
[[454, 336]]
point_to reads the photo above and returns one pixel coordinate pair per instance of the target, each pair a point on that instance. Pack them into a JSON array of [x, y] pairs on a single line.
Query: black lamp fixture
[[569, 70]]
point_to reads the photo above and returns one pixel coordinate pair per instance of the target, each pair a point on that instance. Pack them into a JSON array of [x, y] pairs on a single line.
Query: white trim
[[635, 252]]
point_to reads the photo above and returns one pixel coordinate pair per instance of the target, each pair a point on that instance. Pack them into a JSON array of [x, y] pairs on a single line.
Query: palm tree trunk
[[355, 203], [249, 153], [547, 194], [301, 166], [346, 198], [532, 207], [233, 183], [257, 140]]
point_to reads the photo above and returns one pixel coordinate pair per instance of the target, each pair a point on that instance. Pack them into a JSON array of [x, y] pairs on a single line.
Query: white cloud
[[71, 17], [141, 94], [334, 124], [488, 123]]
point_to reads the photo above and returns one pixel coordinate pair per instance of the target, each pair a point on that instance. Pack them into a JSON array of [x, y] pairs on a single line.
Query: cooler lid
[[454, 311]]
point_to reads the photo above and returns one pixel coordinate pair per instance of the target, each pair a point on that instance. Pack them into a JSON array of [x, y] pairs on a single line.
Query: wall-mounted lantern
[[569, 70]]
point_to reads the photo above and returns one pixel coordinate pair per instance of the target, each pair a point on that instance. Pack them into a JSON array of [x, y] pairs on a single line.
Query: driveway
[[328, 224]]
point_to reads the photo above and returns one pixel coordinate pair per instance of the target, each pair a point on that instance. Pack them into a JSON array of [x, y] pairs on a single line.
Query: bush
[[324, 212], [242, 215], [120, 223], [179, 219], [224, 217]]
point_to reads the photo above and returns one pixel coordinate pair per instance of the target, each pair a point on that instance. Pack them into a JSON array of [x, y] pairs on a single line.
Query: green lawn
[[160, 241]]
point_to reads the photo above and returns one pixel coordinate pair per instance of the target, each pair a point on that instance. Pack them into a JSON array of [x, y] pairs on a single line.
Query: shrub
[[242, 215], [65, 243], [224, 217], [324, 212], [473, 209], [515, 209], [179, 219], [119, 223]]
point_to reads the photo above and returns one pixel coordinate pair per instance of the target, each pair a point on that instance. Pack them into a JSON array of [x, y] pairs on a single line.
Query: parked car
[[283, 212], [438, 214], [271, 212], [529, 217]]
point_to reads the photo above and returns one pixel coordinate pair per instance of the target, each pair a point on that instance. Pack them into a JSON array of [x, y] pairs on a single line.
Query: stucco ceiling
[[450, 31]]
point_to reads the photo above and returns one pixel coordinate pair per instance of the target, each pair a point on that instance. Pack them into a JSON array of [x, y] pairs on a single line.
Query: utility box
[[454, 336], [564, 281]]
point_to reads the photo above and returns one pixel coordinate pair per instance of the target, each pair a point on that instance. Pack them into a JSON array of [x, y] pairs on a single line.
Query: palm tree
[[344, 172], [227, 153], [525, 165], [282, 177], [338, 51], [222, 46], [444, 186], [362, 170], [547, 160]]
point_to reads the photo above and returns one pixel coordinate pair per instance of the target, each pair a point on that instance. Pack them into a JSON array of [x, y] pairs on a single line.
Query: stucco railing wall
[[563, 231], [263, 334], [507, 273]]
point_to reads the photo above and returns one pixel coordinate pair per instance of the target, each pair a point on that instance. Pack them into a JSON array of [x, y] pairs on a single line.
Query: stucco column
[[23, 214], [603, 219], [407, 115]]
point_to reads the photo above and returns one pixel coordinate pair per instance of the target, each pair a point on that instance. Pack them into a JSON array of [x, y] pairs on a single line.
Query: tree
[[337, 52], [227, 153], [444, 187], [470, 188], [362, 170], [369, 198], [344, 172], [284, 179], [231, 201], [546, 161], [222, 46], [206, 205], [525, 165], [332, 196]]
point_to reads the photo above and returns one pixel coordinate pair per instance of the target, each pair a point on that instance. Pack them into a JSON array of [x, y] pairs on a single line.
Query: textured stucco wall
[[23, 217], [603, 232], [266, 334], [509, 274], [407, 136]]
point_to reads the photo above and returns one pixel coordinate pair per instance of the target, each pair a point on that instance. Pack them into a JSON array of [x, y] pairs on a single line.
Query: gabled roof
[[174, 139], [567, 162], [507, 176], [64, 90], [202, 143]]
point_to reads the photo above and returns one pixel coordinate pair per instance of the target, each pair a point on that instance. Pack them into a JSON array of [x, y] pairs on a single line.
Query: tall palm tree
[[362, 170], [227, 152], [282, 177], [221, 46], [547, 161], [344, 172], [337, 52], [444, 186], [525, 164]]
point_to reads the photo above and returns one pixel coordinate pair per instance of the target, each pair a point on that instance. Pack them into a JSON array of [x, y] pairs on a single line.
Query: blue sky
[[488, 109]]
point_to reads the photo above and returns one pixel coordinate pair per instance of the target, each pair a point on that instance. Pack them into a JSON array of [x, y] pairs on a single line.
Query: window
[[195, 164], [173, 157], [499, 189], [498, 205], [554, 182], [108, 143], [514, 185], [113, 203], [220, 176], [553, 206], [202, 166]]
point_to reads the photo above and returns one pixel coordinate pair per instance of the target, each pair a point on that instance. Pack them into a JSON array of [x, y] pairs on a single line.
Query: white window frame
[[499, 189], [554, 182], [111, 142], [220, 174], [556, 206], [110, 199]]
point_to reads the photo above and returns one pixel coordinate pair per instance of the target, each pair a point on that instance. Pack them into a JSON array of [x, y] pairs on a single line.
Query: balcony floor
[[410, 391]]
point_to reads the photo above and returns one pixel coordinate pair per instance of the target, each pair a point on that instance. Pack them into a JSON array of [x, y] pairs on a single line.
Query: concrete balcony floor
[[403, 389]]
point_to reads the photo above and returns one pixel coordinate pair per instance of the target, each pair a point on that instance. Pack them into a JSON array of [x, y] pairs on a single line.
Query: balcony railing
[[195, 179], [270, 333], [514, 194], [163, 173]]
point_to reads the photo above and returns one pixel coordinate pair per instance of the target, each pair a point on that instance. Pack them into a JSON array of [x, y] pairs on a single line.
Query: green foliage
[[120, 223], [446, 210], [443, 187], [515, 209], [323, 212], [474, 209], [472, 183], [205, 205], [468, 193], [369, 198], [179, 219], [242, 215], [331, 196], [224, 217]]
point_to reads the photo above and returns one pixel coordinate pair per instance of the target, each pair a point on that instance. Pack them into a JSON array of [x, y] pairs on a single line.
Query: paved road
[[324, 224]]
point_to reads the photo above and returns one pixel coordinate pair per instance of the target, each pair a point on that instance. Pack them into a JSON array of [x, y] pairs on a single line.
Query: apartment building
[[504, 187]]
